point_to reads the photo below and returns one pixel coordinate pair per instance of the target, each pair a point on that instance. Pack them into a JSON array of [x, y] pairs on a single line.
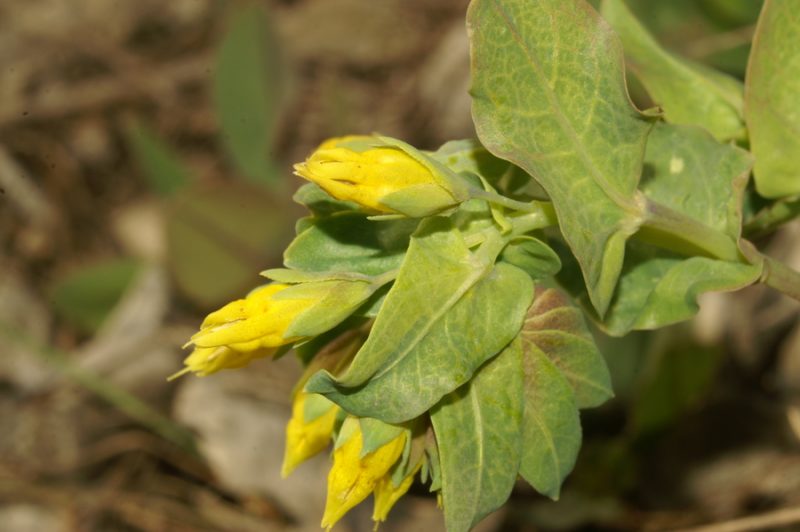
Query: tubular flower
[[387, 494], [258, 321], [309, 430], [207, 360], [380, 176], [352, 478]]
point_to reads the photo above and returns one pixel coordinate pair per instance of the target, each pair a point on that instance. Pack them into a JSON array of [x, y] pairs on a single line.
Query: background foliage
[[130, 181]]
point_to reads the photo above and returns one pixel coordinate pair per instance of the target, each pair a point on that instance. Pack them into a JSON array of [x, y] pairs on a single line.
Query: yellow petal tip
[[178, 374]]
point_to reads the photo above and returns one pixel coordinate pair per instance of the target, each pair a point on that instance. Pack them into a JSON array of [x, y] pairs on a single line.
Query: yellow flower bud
[[352, 478], [382, 177], [255, 322], [207, 360], [387, 494], [307, 435]]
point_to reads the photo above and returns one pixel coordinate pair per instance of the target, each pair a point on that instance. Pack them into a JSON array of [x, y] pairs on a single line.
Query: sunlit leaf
[[549, 95], [478, 435], [557, 328], [772, 99], [690, 172], [349, 242], [433, 331], [689, 93], [551, 428]]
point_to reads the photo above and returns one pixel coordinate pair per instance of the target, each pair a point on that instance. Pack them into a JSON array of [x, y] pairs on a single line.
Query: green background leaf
[[772, 99], [477, 431], [247, 91], [549, 95], [219, 236], [85, 296], [689, 93], [674, 380], [164, 171]]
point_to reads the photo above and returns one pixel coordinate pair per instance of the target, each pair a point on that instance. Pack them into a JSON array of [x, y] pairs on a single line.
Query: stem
[[781, 277], [544, 216], [770, 218], [669, 228], [514, 205]]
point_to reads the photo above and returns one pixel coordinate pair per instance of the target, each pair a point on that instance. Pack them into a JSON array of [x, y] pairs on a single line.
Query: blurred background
[[145, 179]]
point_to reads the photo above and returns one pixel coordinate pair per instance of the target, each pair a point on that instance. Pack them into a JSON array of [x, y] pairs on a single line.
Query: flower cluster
[[406, 295], [381, 176]]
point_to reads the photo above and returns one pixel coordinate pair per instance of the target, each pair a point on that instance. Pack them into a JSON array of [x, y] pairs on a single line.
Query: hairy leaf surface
[[689, 172], [556, 327], [549, 95], [477, 430], [349, 242], [433, 331], [551, 428]]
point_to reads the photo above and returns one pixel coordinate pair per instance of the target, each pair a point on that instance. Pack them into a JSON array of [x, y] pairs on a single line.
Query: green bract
[[452, 324]]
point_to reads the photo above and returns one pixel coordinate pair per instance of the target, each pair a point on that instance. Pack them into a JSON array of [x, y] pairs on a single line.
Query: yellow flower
[[258, 321], [307, 433], [387, 494], [383, 177], [352, 477], [207, 360]]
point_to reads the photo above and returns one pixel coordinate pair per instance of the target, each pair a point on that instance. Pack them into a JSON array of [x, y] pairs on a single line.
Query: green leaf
[[319, 202], [414, 451], [471, 157], [86, 296], [658, 288], [549, 95], [432, 468], [285, 275], [164, 171], [772, 100], [556, 328], [551, 428], [219, 236], [477, 430], [349, 242], [687, 170], [433, 331], [533, 256], [247, 89], [689, 93], [375, 434], [335, 302], [690, 172]]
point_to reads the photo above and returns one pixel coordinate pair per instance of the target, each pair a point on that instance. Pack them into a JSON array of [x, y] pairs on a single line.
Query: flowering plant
[[438, 298]]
